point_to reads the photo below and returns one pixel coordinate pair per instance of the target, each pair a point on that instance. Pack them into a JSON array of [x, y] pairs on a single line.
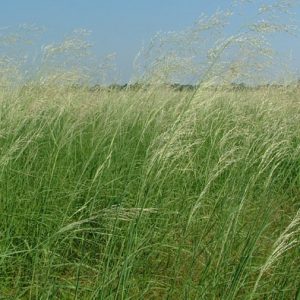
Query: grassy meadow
[[150, 193]]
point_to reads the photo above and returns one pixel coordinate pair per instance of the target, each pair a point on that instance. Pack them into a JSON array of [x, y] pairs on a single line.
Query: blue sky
[[121, 26]]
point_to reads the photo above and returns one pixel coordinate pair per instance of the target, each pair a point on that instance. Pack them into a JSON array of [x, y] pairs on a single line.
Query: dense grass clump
[[149, 194]]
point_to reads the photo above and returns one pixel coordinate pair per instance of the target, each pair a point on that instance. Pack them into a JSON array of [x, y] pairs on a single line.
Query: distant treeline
[[185, 87], [138, 86], [175, 86]]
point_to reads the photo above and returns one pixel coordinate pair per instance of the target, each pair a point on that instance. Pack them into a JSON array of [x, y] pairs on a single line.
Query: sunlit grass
[[149, 194]]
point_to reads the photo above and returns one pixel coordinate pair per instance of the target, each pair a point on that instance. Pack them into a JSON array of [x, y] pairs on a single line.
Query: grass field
[[149, 194]]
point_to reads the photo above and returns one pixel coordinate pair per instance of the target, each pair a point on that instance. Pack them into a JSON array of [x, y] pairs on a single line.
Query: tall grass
[[149, 192], [120, 195]]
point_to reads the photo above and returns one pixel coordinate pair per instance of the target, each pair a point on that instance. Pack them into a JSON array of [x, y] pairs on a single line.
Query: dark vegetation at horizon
[[172, 86]]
